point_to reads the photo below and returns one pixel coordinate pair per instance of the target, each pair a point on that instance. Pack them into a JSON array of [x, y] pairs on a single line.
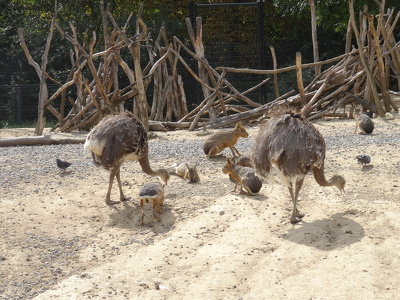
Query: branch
[[27, 53]]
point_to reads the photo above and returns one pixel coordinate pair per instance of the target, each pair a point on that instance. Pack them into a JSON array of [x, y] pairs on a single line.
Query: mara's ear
[[187, 166], [229, 161], [195, 165]]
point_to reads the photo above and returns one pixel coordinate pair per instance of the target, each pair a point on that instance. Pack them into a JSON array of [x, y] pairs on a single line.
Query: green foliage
[[331, 14]]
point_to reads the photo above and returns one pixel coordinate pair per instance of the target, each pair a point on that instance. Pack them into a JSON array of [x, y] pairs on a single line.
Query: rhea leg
[[299, 185], [296, 215], [113, 172], [122, 197]]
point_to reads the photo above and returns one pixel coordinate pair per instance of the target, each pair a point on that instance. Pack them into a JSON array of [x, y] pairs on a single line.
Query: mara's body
[[243, 161], [249, 182], [187, 171], [152, 193], [218, 141], [364, 122], [120, 138], [291, 146]]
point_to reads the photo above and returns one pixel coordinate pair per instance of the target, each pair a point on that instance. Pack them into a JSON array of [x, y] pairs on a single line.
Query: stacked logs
[[353, 78], [94, 77]]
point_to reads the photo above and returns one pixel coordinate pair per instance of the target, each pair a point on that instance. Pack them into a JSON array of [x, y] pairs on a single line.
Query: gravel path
[[40, 160]]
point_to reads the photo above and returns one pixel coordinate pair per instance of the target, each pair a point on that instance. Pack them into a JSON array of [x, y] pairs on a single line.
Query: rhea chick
[[62, 165], [363, 159]]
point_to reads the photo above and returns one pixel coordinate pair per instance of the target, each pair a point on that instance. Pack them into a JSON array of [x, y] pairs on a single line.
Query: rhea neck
[[319, 175], [145, 164]]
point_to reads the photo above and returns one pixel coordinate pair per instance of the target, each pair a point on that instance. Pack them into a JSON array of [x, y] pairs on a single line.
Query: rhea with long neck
[[291, 146], [117, 139]]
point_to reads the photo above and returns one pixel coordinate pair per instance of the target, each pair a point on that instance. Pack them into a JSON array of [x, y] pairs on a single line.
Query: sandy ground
[[59, 240]]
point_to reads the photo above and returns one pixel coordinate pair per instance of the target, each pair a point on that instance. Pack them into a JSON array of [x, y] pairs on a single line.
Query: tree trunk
[[140, 100]]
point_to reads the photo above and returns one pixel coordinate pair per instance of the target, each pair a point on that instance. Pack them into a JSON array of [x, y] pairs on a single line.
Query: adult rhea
[[291, 145], [116, 139]]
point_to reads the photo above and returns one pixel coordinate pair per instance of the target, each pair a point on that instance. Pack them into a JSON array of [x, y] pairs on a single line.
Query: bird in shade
[[62, 165], [363, 159]]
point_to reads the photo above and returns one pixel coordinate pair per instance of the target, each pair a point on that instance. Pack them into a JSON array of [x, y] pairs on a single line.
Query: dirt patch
[[60, 239]]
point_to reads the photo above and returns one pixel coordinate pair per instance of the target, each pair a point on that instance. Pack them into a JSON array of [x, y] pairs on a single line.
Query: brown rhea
[[120, 138], [291, 145]]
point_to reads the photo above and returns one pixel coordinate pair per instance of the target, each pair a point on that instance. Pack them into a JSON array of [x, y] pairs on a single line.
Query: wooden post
[[314, 37], [381, 68], [370, 78], [300, 78], [197, 42], [348, 37], [275, 65], [141, 98]]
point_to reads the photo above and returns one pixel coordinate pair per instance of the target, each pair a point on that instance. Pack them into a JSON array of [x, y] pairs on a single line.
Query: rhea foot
[[110, 202], [300, 215], [296, 218]]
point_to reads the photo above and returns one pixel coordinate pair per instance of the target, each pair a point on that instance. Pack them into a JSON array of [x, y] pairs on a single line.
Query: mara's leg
[[236, 184], [121, 193], [156, 207], [246, 190], [141, 206], [162, 200], [355, 130], [112, 174], [213, 151], [233, 149]]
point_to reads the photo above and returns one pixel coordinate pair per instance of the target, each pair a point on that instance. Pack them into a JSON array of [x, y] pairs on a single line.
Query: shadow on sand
[[128, 215], [327, 234]]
